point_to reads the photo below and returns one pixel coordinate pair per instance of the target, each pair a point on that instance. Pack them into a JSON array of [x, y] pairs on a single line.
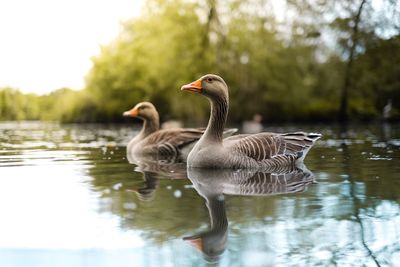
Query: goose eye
[[209, 80]]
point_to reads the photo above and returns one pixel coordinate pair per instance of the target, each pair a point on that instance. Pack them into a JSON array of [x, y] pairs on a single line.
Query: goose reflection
[[214, 184], [154, 169]]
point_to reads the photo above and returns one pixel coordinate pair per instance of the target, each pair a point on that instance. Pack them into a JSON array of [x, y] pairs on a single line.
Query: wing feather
[[265, 145]]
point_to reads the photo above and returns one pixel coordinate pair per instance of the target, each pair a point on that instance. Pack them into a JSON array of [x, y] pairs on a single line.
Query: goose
[[244, 151], [153, 141]]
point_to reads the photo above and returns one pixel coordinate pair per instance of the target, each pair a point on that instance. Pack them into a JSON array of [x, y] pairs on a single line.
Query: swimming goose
[[254, 151], [152, 140]]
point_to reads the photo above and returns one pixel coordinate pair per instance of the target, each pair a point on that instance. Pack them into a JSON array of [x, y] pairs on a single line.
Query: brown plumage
[[153, 141], [257, 151]]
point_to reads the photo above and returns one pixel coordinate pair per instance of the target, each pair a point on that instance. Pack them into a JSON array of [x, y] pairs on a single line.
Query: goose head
[[210, 85], [143, 110]]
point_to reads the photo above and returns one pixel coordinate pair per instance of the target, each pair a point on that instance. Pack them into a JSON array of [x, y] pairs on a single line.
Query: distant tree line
[[328, 60]]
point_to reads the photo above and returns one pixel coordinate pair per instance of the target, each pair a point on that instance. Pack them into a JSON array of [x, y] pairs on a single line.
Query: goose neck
[[216, 123], [150, 126]]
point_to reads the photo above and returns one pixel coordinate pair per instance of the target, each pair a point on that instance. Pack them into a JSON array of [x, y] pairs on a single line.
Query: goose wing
[[175, 137], [269, 145]]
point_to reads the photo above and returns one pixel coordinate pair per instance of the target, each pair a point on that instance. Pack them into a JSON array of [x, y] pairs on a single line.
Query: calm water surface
[[69, 197]]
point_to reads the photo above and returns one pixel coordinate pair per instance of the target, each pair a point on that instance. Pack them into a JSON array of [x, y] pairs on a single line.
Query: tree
[[354, 39]]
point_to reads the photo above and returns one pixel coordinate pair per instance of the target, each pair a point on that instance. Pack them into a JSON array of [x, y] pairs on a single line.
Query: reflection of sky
[[47, 207]]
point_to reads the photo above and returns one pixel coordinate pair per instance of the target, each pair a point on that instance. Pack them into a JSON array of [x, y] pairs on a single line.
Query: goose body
[[247, 151], [153, 141], [169, 142]]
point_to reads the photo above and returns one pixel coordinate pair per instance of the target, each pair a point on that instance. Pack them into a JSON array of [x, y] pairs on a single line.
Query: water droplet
[[129, 206], [106, 191], [177, 193]]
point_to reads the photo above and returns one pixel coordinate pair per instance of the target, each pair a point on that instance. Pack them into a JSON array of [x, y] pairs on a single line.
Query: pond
[[69, 197]]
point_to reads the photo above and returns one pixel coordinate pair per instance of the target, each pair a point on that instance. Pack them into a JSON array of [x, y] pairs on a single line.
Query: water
[[69, 197]]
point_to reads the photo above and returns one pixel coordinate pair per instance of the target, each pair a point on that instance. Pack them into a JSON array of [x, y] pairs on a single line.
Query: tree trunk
[[343, 109]]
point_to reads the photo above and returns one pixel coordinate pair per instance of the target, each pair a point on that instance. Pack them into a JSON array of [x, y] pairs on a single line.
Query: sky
[[48, 44]]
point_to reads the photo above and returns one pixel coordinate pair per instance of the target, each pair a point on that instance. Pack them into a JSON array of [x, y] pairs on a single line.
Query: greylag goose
[[255, 151], [214, 184], [153, 141]]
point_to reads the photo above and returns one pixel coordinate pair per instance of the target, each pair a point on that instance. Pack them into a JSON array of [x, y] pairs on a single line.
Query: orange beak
[[193, 87], [195, 242], [131, 113]]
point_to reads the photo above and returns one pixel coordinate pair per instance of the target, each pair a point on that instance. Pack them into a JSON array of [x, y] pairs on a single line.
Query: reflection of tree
[[353, 210], [359, 205], [213, 184]]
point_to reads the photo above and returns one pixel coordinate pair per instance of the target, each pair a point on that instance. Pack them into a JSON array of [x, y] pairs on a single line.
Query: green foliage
[[17, 106], [376, 78], [153, 56], [283, 72]]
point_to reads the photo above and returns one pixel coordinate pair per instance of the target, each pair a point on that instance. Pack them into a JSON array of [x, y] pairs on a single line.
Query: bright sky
[[47, 44]]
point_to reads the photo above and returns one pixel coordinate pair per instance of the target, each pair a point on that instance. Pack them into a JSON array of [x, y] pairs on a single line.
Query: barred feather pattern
[[169, 142], [270, 150]]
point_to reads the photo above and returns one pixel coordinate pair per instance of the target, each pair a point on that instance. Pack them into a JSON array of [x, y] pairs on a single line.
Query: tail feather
[[300, 143], [314, 136]]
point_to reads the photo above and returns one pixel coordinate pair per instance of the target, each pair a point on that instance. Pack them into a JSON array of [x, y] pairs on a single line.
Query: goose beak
[[195, 242], [194, 87], [131, 113]]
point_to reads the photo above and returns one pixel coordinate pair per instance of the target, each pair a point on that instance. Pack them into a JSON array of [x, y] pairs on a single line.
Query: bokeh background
[[293, 60]]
